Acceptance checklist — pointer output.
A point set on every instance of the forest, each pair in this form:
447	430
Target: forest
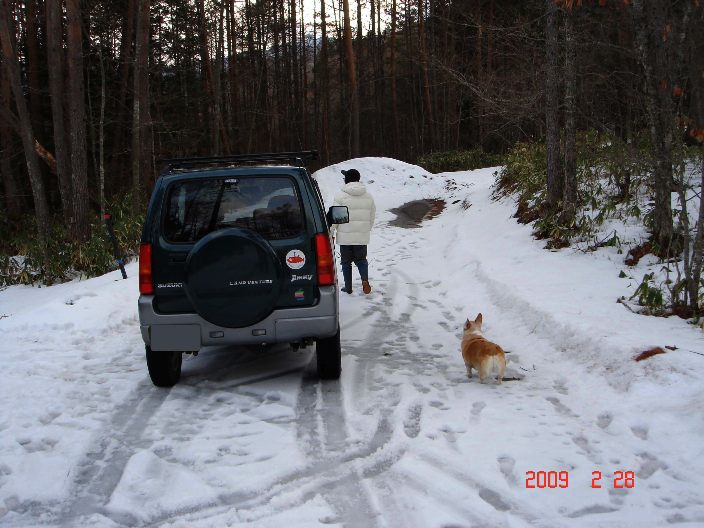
93	93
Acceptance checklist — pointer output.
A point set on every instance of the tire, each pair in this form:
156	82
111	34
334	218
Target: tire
328	355
164	367
234	278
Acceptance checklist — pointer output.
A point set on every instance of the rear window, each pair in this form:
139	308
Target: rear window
267	205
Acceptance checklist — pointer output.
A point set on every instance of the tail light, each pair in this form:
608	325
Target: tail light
146	286
325	260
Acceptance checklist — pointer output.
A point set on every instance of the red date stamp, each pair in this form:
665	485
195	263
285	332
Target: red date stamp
561	479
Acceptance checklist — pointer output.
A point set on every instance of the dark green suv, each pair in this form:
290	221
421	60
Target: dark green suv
236	251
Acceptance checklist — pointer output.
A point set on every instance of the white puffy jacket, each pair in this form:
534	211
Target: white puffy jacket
362	210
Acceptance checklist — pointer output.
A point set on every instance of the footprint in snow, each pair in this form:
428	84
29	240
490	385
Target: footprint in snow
650	465
448	316
591	510
561	407
411	425
560	386
506	465
494	499
604	420
477	408
641	431
439	405
617	496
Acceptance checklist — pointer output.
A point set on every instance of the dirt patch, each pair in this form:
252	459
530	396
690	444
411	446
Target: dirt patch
649	353
526	214
410	215
637	253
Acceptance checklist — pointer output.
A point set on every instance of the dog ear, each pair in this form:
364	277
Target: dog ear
478	320
466	324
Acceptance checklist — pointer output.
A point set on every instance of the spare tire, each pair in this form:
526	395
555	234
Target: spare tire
233	278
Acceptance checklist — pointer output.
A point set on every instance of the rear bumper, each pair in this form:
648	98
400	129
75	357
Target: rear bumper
190	332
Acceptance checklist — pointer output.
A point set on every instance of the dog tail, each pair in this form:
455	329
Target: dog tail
497	365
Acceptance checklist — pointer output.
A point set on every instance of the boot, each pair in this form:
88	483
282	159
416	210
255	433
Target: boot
347	277
366	288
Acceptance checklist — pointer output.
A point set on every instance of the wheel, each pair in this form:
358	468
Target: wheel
233	278
329	357
164	367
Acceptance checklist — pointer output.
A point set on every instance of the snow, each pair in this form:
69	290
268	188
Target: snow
250	437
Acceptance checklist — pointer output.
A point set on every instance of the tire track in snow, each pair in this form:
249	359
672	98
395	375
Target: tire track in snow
104	464
562	337
323	428
298	486
322	423
387	339
100	472
588	435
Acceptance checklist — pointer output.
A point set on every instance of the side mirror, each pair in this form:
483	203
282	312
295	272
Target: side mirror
338	214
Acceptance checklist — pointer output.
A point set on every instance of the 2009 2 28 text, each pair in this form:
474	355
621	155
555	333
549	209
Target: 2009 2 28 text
561	479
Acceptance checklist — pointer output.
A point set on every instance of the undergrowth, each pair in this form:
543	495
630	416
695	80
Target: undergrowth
611	186
458	160
21	259
613	179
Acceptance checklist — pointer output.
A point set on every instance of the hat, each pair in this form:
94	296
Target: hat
351	175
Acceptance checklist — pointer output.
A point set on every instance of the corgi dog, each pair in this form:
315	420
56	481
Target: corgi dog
479	353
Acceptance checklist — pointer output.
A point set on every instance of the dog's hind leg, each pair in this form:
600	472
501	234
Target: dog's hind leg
501	371
469	370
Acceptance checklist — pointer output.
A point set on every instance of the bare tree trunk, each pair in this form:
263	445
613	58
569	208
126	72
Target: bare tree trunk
303	88
352	80
376	117
101	135
427	102
77	119
13	200
552	105
54	32
325	84
120	140
698	245
479	71
276	98
362	94
570	194
207	79
232	77
394	88
32	67
651	35
141	127
218	83
12	70
296	80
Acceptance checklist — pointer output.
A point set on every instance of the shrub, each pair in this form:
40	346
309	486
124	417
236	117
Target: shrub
69	258
524	173
458	160
610	179
614	188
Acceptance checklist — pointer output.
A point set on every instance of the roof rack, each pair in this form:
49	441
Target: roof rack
294	158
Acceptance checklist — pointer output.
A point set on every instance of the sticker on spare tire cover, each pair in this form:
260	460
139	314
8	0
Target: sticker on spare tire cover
295	259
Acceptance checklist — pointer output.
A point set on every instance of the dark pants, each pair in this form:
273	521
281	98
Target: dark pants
358	255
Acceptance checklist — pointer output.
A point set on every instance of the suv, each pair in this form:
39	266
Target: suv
236	251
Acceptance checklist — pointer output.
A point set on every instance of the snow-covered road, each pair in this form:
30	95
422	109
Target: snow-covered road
250	437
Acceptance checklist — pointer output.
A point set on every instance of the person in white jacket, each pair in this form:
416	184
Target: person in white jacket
353	237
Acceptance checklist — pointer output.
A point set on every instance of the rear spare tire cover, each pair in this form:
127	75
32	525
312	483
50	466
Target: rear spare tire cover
233	278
